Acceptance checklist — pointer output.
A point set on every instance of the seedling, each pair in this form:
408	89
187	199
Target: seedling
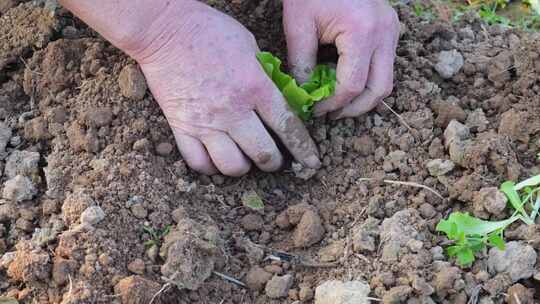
301	98
252	201
156	235
470	235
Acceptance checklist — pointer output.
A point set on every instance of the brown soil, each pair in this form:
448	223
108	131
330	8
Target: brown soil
60	96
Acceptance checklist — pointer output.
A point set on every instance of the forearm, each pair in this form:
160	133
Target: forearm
130	25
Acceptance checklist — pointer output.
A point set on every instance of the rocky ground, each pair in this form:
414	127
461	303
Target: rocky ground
97	206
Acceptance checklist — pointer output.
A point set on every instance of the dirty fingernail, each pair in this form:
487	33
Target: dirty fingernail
313	162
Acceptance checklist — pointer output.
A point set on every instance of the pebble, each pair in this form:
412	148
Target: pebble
257	278
24	163
139	211
338	292
92	215
306	293
5	136
309	231
18	189
449	63
332	252
164	149
252	222
132	82
489	200
278	286
136	266
439	167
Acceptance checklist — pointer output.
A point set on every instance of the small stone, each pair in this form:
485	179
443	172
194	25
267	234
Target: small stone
62	269
92	215
37	129
139	211
517	260
422	287
447	111
489	201
519	294
397	295
364	145
302	172
257	278
136	290
449	63
18	189
305	294
98	117
132	82
337	292
415	245
427	210
278	286
136	266
455	132
152	253
252	222
445	278
512	126
477	120
142	145
23	163
5	136
438	167
309	231
332	252
164	149
42	236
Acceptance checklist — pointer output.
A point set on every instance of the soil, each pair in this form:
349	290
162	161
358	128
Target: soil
107	169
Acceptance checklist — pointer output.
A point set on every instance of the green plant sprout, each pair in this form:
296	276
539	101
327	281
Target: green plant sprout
301	99
156	235
470	235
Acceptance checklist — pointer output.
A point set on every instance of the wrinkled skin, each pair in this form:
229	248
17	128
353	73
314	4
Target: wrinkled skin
201	67
365	33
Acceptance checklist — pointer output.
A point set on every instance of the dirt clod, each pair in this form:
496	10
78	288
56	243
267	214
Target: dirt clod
337	292
136	290
278	286
257	278
132	82
517	260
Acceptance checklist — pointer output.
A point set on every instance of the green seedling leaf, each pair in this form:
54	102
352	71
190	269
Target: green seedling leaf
252	200
469	225
530	182
321	84
509	188
496	240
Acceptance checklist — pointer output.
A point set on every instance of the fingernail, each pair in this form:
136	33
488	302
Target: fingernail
313	162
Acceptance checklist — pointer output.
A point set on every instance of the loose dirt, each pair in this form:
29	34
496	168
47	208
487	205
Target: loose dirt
117	217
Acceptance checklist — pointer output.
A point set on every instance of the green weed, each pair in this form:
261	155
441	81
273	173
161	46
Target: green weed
156	235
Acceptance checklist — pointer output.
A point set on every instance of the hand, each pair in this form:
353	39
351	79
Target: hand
202	69
365	33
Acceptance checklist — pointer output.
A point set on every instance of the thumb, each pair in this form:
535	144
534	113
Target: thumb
302	45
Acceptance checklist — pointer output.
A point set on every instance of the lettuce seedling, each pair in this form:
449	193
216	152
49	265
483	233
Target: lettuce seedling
471	235
301	98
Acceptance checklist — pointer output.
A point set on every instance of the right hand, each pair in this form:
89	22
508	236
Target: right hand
202	69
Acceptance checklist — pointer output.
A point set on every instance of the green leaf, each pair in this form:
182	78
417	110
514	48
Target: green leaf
532	181
252	200
509	188
496	240
321	84
470	225
465	256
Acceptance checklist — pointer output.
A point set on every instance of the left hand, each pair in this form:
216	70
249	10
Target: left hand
365	33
